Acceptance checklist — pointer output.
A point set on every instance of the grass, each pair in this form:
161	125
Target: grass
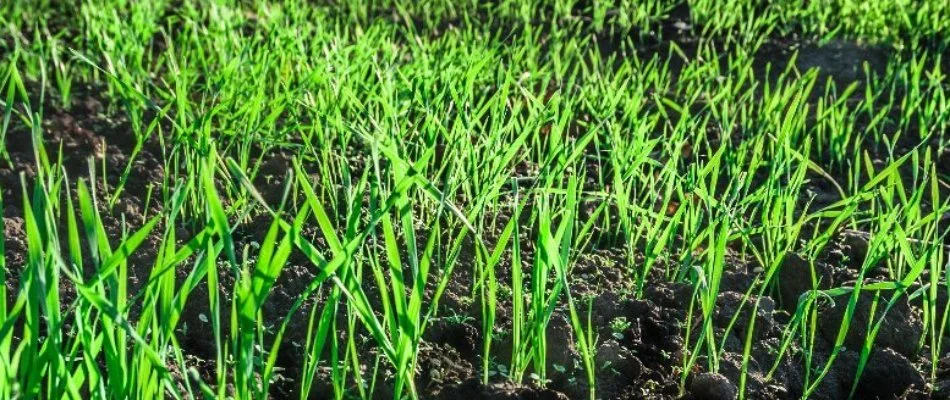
452	157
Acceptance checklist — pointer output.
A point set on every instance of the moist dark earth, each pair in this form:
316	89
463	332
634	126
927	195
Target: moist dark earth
640	361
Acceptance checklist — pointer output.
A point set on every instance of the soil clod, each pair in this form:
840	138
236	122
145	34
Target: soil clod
712	386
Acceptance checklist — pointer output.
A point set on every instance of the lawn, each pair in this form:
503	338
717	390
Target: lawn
505	199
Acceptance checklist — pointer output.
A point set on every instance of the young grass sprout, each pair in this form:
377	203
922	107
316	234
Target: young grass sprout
230	199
